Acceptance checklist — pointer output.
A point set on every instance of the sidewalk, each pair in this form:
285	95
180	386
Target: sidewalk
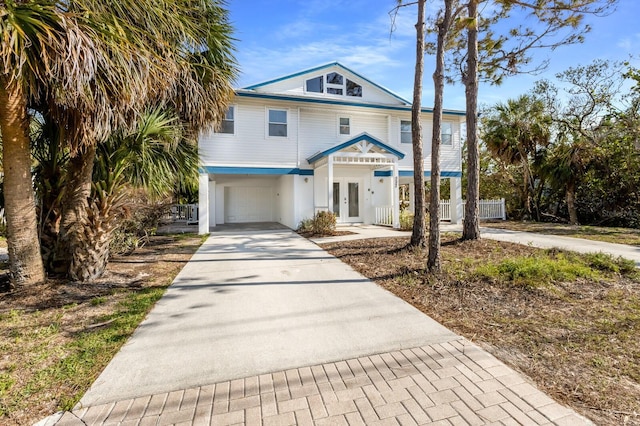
526	238
566	243
264	327
453	383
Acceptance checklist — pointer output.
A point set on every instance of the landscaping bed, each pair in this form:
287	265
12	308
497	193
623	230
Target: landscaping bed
569	322
56	337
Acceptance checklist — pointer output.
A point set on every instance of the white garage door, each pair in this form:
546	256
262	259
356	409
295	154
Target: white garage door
248	204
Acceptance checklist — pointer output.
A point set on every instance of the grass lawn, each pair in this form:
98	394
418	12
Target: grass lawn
569	322
628	236
56	337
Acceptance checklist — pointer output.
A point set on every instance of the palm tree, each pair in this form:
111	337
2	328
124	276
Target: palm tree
91	66
152	156
32	39
50	158
193	72
515	132
564	165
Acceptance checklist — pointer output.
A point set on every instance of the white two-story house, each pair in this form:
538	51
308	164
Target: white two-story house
325	138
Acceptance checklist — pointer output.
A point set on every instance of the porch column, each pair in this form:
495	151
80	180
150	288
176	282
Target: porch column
412	197
456	199
395	200
203	203
330	183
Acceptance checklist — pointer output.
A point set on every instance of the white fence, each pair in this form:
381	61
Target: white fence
487	209
491	209
183	213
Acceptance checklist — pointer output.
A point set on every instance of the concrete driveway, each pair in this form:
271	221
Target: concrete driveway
251	302
265	328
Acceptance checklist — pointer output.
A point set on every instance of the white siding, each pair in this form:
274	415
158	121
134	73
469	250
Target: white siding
285	201
303	198
449	155
319	129
251	145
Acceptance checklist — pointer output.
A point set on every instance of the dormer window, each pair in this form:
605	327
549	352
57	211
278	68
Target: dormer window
334	78
333	83
354	89
315	85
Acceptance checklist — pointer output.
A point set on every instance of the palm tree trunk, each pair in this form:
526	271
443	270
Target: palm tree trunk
25	261
471	227
418	237
571	203
527	194
75	215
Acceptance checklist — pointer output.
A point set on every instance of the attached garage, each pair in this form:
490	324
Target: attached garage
248	204
258	197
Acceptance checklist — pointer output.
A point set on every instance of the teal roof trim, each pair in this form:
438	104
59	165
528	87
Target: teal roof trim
222	170
323	67
362	137
338	102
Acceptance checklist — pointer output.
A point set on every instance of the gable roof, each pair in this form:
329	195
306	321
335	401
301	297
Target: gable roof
361	137
323	67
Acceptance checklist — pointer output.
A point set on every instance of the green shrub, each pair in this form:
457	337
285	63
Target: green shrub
134	231
608	263
535	271
306	226
406	220
323	223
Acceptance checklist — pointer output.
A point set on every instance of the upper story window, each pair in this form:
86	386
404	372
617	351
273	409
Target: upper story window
354	89
345	125
405	131
278	123
446	133
228	122
315	84
334	78
333	83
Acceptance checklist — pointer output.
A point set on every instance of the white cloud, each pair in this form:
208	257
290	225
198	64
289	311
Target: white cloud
372	59
630	44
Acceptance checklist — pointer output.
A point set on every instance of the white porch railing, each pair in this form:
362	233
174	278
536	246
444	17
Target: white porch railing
183	213
384	216
488	209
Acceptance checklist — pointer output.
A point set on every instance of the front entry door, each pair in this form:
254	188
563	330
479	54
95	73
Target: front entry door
346	200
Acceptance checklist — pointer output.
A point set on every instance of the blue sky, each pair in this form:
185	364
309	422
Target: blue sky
278	37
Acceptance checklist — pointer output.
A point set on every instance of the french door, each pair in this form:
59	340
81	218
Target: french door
347	198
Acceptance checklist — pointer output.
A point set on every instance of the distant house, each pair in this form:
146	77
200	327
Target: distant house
325	138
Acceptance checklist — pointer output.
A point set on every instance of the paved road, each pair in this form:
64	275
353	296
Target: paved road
566	243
